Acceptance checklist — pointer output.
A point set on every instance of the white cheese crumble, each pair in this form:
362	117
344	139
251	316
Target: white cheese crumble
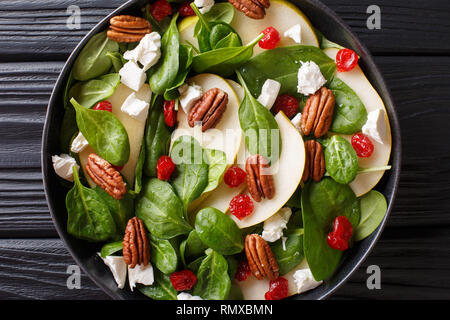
140	274
310	79
118	268
305	281
79	143
187	296
204	5
189	95
135	108
375	126
63	165
269	93
297	122
295	33
132	75
147	52
273	227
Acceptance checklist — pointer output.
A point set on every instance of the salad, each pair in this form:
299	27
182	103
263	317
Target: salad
221	150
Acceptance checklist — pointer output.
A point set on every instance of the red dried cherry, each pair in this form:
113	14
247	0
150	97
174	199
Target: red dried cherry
241	206
186	10
170	114
288	104
346	60
161	9
234	177
270	39
342	232
183	280
165	168
278	289
243	271
103	106
362	145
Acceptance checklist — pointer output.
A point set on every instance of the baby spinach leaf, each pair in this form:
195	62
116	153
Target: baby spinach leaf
213	281
121	210
111	248
202	30
194	245
161	210
259	126
288	60
105	133
89	217
217	161
218	231
90	92
186	56
224	61
322	202
117	60
373	210
219	32
341	160
191	174
93	61
232	266
157	138
161	289
295	222
138	171
165	72
295	200
222	11
163	255
291	257
231	40
350	114
324	42
195	265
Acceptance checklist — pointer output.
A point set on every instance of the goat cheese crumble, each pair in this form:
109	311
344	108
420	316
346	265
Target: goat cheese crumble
310	79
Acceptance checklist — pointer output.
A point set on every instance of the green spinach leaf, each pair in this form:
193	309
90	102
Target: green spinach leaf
93	61
111	248
117	60
221	31
186	56
213	281
350	114
163	255
222	11
139	171
195	265
218	231
341	160
373	210
90	92
231	40
89	217
105	133
259	126
161	289
217	162
291	257
322	202
194	245
161	210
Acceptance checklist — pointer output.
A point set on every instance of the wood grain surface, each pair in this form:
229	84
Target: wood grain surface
413	52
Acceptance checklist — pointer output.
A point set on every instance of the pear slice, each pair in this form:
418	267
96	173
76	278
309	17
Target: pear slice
287	174
254	289
227	135
281	15
356	80
135	130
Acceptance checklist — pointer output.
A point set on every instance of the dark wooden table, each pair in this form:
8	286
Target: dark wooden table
412	48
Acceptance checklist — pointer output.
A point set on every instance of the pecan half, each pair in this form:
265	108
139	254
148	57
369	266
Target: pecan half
136	247
260	258
259	180
209	109
314	161
254	9
318	113
126	28
105	176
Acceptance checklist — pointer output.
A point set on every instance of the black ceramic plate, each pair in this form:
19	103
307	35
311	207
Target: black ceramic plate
84	253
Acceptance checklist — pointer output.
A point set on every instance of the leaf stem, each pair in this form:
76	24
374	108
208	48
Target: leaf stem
365	170
201	17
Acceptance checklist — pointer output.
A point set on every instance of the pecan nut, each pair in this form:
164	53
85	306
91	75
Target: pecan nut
126	28
209	109
259	180
314	161
136	247
105	176
260	258
254	9
318	113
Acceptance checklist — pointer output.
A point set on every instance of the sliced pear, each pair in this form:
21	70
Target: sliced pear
254	289
281	15
135	130
356	80
227	135
287	174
